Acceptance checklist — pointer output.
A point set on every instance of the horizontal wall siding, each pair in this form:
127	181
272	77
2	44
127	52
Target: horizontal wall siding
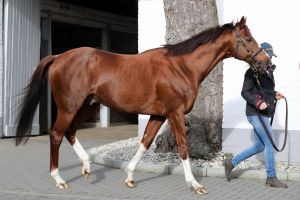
21	52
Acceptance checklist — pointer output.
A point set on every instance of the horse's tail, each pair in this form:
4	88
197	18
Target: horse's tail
30	99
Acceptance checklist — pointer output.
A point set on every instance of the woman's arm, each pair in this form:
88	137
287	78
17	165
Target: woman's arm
247	92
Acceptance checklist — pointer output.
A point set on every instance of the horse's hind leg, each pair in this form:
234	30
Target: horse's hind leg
151	130
83	114
60	127
81	153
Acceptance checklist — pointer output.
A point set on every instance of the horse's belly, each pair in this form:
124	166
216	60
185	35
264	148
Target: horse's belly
132	102
137	107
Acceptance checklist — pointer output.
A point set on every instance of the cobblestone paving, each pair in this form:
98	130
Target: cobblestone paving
24	175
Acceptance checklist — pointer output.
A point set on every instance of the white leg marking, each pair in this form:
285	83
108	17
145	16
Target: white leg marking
60	183
190	179
133	163
83	156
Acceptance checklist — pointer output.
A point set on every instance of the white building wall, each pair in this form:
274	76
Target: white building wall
276	22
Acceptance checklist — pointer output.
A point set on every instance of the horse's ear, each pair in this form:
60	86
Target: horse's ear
242	22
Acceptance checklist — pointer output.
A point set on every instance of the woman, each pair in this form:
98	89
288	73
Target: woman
260	97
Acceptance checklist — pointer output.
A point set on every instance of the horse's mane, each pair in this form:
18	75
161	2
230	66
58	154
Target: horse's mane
204	37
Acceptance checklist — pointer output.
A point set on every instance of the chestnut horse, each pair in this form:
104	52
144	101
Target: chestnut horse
161	82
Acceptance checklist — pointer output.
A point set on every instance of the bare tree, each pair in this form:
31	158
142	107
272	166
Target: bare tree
185	18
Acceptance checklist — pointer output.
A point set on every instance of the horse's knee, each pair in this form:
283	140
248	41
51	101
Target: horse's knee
147	141
55	139
182	146
183	151
151	130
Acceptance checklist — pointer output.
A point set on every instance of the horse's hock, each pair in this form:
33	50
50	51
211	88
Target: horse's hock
200	144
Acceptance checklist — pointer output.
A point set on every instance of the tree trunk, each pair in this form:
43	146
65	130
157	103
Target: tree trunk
185	18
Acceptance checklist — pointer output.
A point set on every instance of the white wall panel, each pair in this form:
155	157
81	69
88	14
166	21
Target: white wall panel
22	54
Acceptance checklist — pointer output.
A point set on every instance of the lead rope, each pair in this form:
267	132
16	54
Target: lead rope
285	129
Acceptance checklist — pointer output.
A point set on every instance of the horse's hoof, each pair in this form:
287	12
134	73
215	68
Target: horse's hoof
62	186
201	190
130	183
86	174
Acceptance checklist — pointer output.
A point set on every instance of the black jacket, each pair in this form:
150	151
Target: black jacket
255	95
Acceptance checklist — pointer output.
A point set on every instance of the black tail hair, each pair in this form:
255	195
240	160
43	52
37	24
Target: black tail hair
30	99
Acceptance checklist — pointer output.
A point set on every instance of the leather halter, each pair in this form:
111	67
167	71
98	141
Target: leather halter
251	54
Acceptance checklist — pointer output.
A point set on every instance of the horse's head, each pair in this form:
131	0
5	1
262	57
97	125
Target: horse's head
247	49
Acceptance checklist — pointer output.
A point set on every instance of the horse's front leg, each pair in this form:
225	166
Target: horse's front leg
176	121
151	130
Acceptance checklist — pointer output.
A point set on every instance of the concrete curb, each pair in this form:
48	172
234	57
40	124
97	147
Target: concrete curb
197	171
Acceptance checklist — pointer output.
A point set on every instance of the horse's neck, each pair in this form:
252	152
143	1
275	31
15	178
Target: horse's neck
206	57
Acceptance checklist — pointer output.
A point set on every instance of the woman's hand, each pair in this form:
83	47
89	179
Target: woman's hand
279	95
263	106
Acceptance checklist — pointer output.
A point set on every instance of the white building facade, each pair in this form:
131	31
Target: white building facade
275	22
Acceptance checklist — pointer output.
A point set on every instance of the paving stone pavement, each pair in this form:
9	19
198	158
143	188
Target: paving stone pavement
24	176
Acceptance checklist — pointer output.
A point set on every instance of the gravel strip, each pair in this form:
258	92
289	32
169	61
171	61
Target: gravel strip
124	150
